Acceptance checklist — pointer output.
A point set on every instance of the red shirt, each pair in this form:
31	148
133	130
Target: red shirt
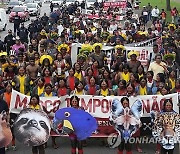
47	79
92	90
62	91
71	82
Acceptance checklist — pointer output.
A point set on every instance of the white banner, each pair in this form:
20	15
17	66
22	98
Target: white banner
144	53
98	106
74	51
149	42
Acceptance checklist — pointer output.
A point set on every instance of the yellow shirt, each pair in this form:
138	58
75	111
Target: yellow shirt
46	95
78	75
79	93
104	92
22	83
172	83
37	62
37	107
93	29
140	75
40	90
125	77
142	91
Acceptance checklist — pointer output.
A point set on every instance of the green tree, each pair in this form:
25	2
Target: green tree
168	5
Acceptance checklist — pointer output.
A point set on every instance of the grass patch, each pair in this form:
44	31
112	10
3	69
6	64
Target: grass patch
161	5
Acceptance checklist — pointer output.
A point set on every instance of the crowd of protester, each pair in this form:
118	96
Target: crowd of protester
37	59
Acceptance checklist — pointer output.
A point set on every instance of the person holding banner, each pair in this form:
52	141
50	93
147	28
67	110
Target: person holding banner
104	89
125	145
75	143
48	92
167	108
121	90
34	104
7	98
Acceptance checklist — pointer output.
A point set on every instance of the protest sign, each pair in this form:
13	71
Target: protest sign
97	106
144	53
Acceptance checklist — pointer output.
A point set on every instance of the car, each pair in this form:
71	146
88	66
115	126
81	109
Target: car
68	2
33	8
28	1
13	3
22	12
39	2
56	2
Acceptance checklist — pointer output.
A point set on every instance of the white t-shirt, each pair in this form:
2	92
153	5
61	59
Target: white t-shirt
113	27
155	12
60	29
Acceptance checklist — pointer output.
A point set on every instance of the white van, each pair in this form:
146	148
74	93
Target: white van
3	19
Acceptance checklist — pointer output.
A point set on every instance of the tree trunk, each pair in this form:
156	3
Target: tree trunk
168	6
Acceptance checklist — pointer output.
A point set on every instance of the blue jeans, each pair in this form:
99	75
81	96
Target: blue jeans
2	150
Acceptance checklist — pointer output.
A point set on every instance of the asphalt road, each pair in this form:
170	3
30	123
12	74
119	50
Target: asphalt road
93	147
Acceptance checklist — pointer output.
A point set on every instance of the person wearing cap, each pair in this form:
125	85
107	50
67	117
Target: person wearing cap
23	33
9	41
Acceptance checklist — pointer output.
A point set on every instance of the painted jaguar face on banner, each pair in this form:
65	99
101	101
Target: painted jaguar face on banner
5	132
32	127
126	120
